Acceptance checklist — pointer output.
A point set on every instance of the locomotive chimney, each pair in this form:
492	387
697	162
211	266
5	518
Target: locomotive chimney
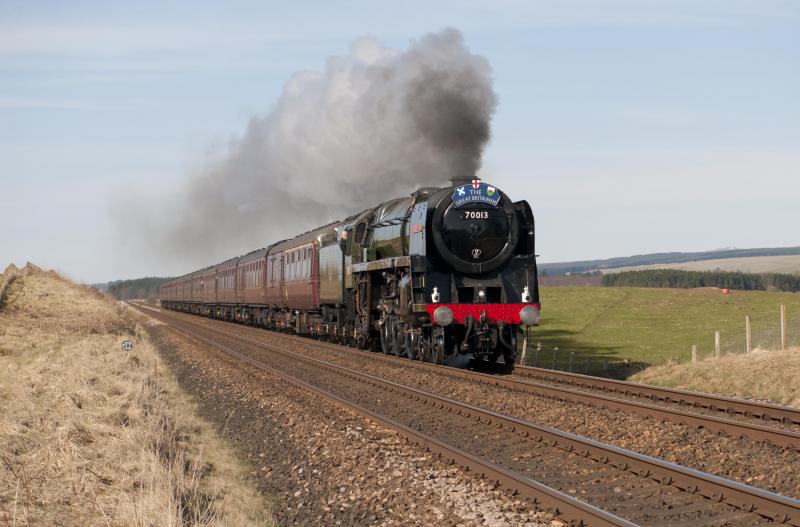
461	180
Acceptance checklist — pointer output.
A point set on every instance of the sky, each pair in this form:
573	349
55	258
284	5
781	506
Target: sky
630	126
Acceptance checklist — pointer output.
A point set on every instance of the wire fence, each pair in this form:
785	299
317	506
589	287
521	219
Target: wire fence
537	355
793	332
777	333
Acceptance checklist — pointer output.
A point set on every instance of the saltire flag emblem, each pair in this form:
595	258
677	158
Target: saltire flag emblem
476	192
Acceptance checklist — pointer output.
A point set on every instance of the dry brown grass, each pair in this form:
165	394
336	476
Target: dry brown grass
6	278
91	435
763	375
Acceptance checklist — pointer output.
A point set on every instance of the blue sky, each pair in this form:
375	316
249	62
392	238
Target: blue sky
630	126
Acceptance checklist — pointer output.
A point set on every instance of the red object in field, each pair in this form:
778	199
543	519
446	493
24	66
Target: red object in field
725	291
508	313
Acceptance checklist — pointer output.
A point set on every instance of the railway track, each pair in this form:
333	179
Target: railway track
774	424
581	479
715	404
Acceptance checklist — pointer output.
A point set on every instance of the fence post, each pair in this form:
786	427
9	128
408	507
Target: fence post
748	331
694	352
555	354
783	327
571	357
536	354
716	344
524	348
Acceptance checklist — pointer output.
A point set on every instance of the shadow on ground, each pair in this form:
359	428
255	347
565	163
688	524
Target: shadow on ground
559	350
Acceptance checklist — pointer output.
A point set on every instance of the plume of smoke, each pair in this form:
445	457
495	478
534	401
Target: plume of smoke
372	126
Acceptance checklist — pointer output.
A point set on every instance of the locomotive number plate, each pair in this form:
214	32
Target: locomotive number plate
476	215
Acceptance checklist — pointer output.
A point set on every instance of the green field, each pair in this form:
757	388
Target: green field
647	326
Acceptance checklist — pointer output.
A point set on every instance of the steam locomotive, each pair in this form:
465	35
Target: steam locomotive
446	275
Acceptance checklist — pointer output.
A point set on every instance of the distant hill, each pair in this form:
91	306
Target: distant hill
138	288
788	264
657	259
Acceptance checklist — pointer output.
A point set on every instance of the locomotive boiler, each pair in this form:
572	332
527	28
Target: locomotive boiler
445	275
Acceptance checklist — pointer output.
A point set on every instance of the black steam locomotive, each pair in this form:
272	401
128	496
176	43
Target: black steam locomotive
446	275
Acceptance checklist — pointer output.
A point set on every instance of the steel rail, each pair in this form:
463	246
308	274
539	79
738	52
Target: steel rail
775	412
732	427
542	496
749	499
757	432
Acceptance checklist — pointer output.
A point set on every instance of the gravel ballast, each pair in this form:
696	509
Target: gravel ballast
762	465
324	465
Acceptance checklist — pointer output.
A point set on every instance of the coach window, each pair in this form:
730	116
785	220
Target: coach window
300	264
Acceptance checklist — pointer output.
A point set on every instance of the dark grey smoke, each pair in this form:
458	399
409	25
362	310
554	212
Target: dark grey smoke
374	125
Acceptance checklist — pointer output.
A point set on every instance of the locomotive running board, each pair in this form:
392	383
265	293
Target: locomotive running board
385	263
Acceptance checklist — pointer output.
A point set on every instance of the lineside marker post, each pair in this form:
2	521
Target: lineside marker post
694	352
524	347
716	344
748	331
783	327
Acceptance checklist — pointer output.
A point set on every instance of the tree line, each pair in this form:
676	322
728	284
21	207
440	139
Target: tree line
689	279
146	288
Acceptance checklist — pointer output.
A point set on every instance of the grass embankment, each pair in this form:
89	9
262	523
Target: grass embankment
650	326
92	435
763	375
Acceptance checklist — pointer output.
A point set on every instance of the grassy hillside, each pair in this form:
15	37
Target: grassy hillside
93	435
789	264
649	326
661	258
762	375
